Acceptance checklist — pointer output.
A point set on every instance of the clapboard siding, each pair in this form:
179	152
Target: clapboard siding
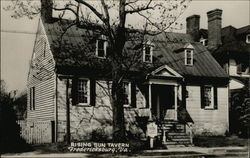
86	119
43	78
214	122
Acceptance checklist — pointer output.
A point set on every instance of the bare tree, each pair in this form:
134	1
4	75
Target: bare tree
111	17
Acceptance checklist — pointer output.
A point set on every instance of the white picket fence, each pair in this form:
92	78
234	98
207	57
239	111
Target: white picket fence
36	132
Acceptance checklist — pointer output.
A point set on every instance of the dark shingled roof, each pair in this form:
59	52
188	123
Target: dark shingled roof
243	30
165	45
233	40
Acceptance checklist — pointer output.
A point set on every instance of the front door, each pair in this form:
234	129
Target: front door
163	102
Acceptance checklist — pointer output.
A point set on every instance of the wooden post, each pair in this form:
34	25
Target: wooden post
175	101
163	136
67	113
149	101
151	142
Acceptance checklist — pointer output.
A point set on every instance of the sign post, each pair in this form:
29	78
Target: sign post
152	132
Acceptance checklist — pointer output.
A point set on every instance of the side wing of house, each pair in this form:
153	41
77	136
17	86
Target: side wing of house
208	107
41	80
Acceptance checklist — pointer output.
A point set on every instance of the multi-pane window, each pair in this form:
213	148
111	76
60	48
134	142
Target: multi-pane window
148	53
188	57
126	90
208	97
101	48
32	98
83	91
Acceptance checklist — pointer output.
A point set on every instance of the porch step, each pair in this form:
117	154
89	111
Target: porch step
175	134
172	127
172	131
168	144
179	139
178	136
176	146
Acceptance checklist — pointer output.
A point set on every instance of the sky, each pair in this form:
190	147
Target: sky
18	35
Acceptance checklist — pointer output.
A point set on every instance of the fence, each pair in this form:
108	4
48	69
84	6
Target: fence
36	132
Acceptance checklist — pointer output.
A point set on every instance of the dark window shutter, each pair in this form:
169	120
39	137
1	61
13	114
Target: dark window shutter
74	91
202	97
146	95
108	53
239	68
133	95
215	98
92	92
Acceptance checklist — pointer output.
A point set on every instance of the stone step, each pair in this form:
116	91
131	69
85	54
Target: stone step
174	146
171	127
177	143
178	139
175	131
178	136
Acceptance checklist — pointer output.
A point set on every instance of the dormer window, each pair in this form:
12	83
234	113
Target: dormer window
189	57
148	53
248	38
203	41
101	48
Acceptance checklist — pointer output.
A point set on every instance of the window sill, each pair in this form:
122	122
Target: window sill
209	108
189	65
101	57
148	62
83	105
143	108
128	107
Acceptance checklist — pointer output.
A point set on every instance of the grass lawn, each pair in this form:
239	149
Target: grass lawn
220	141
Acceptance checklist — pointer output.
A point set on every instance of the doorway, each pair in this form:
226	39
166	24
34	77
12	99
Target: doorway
163	102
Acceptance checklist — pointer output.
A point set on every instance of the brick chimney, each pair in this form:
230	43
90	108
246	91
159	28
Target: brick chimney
46	10
214	28
193	26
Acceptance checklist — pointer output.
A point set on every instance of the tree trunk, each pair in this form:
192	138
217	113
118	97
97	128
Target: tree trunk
117	106
117	89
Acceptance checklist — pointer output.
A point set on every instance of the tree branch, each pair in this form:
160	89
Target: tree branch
139	9
99	15
63	9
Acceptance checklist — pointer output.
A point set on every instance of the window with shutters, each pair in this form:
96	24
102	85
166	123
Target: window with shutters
83	90
209	97
32	98
189	57
127	93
